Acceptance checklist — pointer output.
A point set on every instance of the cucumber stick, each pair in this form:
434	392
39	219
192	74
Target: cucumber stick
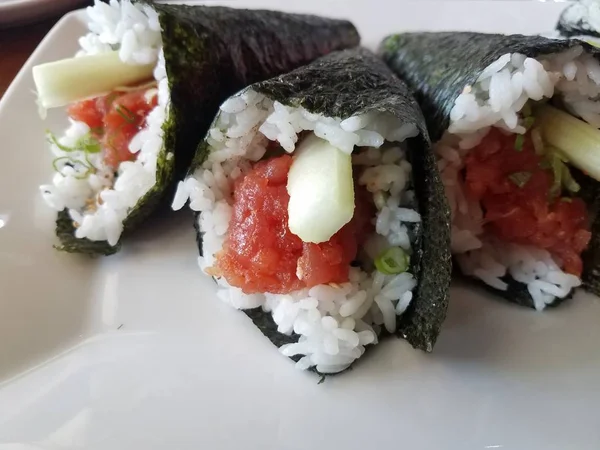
60	83
321	190
577	141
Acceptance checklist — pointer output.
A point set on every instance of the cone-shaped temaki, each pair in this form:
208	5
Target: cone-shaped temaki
320	211
141	95
515	124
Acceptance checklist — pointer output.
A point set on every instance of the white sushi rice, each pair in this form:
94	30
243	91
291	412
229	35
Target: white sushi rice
498	95
131	28
97	200
334	322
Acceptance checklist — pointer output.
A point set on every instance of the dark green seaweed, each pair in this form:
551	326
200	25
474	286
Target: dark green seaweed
211	53
515	292
65	231
265	323
574	21
352	82
591	268
438	66
590	193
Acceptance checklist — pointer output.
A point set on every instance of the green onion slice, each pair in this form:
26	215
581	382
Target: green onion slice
545	164
568	181
74	162
85	144
562	174
125	113
557	172
528	122
393	261
519	141
538	142
520	178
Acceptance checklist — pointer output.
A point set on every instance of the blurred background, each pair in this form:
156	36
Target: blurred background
24	23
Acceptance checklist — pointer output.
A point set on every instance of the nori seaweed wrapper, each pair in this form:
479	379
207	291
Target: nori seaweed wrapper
590	193
354	82
438	66
575	20
211	53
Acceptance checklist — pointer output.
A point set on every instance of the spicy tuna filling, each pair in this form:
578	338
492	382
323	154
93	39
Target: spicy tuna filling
521	201
339	278
114	120
261	254
510	162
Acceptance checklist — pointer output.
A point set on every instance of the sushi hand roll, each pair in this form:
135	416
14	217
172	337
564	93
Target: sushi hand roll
320	212
515	120
142	92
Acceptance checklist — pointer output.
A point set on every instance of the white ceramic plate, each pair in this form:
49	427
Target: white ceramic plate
135	352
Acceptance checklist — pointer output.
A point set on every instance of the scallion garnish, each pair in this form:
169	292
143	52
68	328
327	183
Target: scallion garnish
562	174
57	160
528	122
557	172
125	113
393	261
519	141
538	142
74	162
545	164
566	200
520	178
86	144
568	181
52	139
